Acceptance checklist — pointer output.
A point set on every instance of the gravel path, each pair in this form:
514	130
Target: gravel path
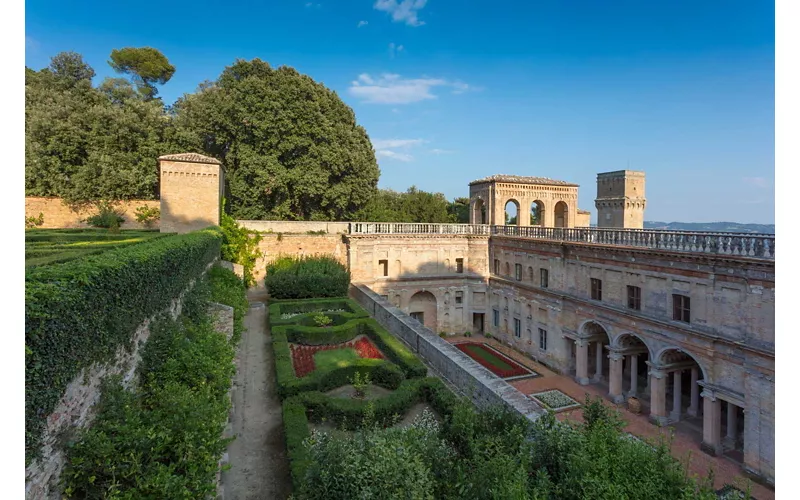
259	467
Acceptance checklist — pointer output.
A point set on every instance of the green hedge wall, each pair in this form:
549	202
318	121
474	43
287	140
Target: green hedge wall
81	312
307	277
227	288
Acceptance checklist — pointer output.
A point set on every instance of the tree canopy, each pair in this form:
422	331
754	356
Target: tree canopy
412	206
146	65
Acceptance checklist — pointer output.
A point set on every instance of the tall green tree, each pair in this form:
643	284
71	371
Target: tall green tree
146	65
459	210
414	205
290	147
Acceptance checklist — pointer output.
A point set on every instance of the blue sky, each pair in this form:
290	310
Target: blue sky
453	91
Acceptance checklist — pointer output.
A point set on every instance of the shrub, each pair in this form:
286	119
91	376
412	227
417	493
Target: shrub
147	215
298	312
107	216
321	320
240	246
32	222
307	277
226	288
82	311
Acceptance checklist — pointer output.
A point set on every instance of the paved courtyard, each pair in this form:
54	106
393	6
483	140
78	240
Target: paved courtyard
685	443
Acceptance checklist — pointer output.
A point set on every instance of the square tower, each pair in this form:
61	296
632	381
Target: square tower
620	199
191	192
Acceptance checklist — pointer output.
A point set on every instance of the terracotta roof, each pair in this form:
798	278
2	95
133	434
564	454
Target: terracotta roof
584	211
191	158
521	179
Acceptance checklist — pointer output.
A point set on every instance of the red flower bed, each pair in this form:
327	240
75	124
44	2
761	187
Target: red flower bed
495	362
303	355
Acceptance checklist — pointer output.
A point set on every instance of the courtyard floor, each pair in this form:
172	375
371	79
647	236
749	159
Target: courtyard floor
684	444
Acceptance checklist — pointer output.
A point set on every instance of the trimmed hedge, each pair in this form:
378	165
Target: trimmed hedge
227	288
307	277
80	312
305	309
295	424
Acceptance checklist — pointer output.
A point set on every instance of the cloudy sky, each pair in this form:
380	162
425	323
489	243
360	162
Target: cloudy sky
451	91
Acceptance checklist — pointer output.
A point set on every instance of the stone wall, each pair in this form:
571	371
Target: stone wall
295	227
57	215
473	380
583	218
191	192
274	245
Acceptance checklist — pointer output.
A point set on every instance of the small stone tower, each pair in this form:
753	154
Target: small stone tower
191	192
620	199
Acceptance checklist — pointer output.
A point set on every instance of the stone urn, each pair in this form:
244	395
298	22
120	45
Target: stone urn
634	406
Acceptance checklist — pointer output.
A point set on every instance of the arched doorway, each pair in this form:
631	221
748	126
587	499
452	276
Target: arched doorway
512	213
562	214
479	212
537	213
588	355
422	307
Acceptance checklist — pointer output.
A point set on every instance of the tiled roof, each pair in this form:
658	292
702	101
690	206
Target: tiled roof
521	179
191	158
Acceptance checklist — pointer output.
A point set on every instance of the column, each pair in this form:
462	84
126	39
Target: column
695	395
658	397
731	435
615	377
711	424
598	372
582	361
676	396
634	362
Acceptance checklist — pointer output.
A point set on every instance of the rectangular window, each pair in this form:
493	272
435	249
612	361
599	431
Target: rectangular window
634	298
459	297
597	289
384	265
680	308
517	328
459	265
497	266
544	277
518	272
495	317
542	339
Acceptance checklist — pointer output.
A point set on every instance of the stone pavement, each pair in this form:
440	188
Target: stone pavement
684	445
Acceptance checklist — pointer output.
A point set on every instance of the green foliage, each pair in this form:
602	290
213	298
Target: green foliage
52	246
291	149
414	205
107	216
303	277
340	309
226	288
321	320
240	246
82	311
146	65
459	210
360	384
32	222
147	215
164	440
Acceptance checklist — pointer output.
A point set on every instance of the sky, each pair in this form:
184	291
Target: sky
453	91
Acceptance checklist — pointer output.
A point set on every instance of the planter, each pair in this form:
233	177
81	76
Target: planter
634	406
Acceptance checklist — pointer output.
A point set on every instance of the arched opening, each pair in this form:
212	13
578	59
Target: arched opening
537	213
512	213
562	214
634	369
422	307
479	212
592	364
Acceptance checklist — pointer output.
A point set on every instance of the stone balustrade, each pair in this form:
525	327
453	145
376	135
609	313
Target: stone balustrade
413	228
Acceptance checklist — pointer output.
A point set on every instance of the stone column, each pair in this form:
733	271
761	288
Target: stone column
712	424
615	377
582	361
731	435
676	396
598	372
695	395
658	397
634	358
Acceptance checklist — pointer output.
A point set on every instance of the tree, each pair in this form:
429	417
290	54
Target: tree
412	206
459	210
291	149
146	65
70	69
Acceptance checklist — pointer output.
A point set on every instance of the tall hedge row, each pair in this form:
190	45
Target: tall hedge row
307	277
82	311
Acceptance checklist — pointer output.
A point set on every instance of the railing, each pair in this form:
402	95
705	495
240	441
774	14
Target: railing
411	228
760	246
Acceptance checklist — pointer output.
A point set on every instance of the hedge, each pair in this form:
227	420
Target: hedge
227	288
306	308
80	312
306	277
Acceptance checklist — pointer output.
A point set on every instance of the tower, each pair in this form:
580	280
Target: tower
620	199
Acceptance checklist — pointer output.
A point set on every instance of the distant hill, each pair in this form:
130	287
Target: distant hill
730	227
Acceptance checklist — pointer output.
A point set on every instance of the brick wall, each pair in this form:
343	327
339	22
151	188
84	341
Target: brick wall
273	245
295	227
57	215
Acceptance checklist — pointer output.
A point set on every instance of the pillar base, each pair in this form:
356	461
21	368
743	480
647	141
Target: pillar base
692	412
582	381
758	477
659	420
618	399
675	417
710	449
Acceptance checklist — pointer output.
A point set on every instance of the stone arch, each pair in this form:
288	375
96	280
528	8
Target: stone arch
627	340
674	354
561	212
423	305
507	216
537	213
592	327
479	215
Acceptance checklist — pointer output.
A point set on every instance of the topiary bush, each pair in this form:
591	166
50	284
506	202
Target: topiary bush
307	277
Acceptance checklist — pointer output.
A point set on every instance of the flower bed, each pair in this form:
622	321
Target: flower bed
495	362
555	400
324	311
303	355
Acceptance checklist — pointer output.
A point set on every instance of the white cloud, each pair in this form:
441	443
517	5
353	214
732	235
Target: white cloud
394	49
404	11
386	153
392	89
362	23
441	151
760	182
396	143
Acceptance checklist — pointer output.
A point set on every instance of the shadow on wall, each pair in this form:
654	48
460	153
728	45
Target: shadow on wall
274	245
172	223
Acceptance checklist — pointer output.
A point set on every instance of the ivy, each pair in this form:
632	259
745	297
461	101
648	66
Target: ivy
81	312
240	246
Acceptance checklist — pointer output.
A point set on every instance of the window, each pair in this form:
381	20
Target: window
542	339
530	274
384	265
544	277
497	266
597	289
517	328
680	308
418	316
518	272
459	297
634	298
495	317
459	265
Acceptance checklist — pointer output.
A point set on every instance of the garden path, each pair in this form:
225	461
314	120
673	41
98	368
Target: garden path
259	467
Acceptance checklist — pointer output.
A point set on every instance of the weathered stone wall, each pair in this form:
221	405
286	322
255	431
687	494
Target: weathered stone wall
58	215
295	227
274	245
460	370
583	218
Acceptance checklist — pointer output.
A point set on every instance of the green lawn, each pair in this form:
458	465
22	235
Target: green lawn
328	360
53	246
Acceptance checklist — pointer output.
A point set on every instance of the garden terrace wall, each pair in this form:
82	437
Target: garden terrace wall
295	227
273	246
57	215
473	380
